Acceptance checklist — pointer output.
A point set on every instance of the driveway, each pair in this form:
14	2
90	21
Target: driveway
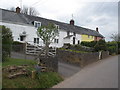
101	74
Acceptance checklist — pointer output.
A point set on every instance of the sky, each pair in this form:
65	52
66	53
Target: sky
86	13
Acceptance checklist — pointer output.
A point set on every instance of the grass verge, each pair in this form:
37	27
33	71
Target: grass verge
42	80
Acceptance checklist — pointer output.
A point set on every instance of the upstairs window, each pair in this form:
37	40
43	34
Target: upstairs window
37	24
57	26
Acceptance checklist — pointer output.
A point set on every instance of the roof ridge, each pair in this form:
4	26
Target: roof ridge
74	28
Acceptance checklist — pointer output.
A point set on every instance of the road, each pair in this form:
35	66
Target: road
101	74
67	70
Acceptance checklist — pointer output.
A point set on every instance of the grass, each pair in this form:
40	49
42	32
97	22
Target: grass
12	61
43	80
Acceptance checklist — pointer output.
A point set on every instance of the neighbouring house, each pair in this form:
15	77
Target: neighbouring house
24	28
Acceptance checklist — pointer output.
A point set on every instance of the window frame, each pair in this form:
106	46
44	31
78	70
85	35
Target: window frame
36	24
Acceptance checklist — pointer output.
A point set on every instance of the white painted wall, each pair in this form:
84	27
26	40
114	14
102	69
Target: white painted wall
17	29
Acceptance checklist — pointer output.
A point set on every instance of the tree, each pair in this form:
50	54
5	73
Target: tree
115	37
101	45
27	10
47	34
6	42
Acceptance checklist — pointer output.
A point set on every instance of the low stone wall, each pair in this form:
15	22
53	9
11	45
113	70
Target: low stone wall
51	62
79	59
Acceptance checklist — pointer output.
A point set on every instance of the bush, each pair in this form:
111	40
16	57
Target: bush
6	42
118	47
89	44
101	45
113	47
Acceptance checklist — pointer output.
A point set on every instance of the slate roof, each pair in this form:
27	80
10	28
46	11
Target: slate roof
28	19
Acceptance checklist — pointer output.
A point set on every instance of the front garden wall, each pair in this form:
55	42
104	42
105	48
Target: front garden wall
79	59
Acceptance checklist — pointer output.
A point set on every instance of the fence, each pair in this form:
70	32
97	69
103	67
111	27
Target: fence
30	52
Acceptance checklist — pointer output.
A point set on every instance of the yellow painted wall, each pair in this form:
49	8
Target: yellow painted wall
86	38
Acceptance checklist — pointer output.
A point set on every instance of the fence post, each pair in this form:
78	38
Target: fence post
25	49
100	55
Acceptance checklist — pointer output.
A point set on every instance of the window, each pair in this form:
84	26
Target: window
73	40
57	26
68	33
37	24
56	40
36	40
22	38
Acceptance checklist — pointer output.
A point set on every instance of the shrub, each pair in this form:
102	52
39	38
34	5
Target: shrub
89	44
6	42
113	47
118	47
101	45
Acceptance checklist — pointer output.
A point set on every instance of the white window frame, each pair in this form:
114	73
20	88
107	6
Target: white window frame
56	41
57	26
37	24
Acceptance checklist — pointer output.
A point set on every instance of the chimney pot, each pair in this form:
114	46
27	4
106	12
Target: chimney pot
97	29
17	10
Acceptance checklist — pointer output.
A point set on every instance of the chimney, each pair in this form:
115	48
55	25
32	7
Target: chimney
72	22
17	10
97	29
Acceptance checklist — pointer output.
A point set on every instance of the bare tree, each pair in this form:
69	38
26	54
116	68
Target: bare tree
32	11
115	37
27	10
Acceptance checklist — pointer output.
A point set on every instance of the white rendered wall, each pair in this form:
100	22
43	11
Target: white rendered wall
17	29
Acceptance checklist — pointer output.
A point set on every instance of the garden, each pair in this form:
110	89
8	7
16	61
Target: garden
23	73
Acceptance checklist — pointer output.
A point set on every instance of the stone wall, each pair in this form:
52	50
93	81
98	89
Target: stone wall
79	59
51	63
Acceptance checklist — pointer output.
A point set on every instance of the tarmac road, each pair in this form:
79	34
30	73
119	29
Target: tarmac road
101	74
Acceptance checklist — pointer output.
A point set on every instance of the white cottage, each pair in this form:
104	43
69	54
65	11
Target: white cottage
24	28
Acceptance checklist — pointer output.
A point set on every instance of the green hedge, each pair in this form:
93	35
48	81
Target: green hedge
113	47
89	44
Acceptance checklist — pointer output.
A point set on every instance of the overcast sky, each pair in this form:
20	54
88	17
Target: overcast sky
95	13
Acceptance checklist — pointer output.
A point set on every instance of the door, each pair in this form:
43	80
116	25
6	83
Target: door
73	40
